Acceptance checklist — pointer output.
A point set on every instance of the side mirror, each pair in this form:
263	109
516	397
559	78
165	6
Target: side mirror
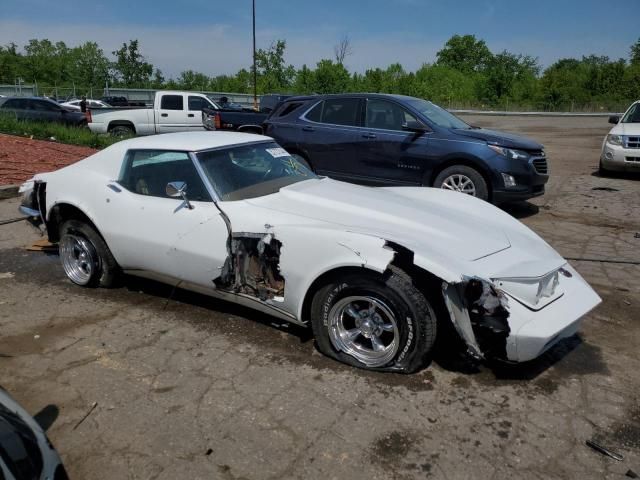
414	126
614	119
178	190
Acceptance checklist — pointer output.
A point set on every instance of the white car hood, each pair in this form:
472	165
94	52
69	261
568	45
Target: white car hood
626	129
426	220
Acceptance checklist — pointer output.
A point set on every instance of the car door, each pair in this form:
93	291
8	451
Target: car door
194	114
150	231
391	155
171	114
329	133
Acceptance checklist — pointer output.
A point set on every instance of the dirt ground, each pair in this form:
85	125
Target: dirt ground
189	387
21	157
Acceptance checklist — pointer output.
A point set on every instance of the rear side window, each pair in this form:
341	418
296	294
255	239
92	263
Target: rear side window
18	103
287	108
43	106
147	172
338	111
172	102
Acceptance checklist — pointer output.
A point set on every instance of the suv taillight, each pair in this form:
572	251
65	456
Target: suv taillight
216	121
87	115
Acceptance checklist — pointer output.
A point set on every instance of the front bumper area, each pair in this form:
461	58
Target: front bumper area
620	159
530	176
534	332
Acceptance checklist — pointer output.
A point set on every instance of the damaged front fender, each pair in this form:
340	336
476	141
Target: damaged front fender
479	313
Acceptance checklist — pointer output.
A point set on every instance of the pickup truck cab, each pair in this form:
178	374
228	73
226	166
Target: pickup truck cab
621	147
171	112
244	120
395	140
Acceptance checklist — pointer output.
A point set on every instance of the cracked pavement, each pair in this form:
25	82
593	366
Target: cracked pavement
191	387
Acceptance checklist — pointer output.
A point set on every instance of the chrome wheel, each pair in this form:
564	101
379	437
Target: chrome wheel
79	259
365	328
459	183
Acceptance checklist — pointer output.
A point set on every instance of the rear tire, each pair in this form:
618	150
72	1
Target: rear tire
122	131
374	322
86	259
463	179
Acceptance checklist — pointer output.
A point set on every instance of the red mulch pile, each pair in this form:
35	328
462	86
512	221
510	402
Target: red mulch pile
21	158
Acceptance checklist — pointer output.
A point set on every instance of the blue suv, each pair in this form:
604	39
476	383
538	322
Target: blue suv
395	140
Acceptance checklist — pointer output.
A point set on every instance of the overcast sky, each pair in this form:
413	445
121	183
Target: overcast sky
214	37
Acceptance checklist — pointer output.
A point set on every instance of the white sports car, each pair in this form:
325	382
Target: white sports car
373	271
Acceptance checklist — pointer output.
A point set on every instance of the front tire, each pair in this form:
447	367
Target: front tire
374	322
85	257
461	178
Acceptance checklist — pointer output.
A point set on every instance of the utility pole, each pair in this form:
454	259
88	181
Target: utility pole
255	72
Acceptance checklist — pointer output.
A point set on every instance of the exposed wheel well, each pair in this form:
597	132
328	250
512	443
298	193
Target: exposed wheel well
251	129
460	161
62	212
424	281
121	123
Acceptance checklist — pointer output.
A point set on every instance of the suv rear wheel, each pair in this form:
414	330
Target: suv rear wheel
463	179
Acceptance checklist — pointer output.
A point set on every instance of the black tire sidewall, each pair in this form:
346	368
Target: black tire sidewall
121	131
480	184
106	268
407	319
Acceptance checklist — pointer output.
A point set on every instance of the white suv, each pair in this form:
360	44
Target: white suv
621	148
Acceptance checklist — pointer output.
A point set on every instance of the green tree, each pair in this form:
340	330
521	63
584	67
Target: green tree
635	53
89	66
46	62
503	72
11	63
445	85
130	68
465	53
273	73
330	77
304	82
190	80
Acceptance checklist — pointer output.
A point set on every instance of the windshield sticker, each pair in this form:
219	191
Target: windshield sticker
278	152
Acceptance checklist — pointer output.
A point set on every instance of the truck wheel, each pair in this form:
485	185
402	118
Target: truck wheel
374	322
85	257
461	178
122	131
301	160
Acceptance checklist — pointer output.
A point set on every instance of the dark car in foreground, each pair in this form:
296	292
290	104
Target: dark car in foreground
25	450
395	140
41	109
243	120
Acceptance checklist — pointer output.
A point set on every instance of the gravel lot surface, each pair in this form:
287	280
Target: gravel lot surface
21	157
189	387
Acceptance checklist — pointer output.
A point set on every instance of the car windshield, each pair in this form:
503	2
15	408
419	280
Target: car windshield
632	115
253	170
437	115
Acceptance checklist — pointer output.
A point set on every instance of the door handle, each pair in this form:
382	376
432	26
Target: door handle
164	114
190	115
369	135
307	129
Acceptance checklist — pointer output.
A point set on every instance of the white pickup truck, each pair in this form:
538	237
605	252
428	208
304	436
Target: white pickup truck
171	112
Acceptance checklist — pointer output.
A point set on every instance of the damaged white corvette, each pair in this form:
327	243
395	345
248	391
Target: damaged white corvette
374	271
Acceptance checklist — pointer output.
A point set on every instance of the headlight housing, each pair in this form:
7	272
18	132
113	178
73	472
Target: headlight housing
509	152
614	139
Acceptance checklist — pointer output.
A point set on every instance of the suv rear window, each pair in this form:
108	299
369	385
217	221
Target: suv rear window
336	111
287	108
